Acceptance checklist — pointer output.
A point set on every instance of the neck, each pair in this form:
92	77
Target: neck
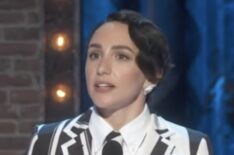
117	118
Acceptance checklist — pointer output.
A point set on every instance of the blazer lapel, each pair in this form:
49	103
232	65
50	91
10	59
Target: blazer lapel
79	138
163	145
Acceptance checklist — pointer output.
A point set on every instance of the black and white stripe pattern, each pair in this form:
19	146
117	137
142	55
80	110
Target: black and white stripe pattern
73	137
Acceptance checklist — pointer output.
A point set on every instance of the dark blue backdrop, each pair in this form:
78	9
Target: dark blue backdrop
199	91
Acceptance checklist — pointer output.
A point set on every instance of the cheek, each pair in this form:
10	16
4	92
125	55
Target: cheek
132	77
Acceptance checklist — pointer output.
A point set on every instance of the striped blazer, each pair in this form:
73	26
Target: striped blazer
72	137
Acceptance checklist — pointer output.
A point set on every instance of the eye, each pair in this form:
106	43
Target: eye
120	56
94	55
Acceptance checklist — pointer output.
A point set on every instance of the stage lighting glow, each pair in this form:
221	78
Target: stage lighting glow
61	93
61	42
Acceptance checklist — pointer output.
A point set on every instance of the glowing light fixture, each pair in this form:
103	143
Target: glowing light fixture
60	58
61	42
61	93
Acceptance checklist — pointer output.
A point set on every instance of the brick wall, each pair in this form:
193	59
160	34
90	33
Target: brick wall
21	73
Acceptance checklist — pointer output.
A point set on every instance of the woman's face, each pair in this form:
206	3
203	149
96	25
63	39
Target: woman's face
113	78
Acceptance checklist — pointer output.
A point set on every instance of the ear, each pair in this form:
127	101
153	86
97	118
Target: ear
159	74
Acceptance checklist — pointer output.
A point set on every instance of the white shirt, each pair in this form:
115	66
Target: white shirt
133	133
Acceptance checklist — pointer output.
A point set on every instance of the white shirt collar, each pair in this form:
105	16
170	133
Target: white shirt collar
133	132
99	129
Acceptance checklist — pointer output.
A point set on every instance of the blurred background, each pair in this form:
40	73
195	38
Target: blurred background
42	58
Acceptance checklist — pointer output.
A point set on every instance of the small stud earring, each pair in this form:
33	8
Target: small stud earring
149	88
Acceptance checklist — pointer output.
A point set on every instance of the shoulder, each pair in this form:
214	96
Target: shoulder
195	140
180	130
50	128
47	137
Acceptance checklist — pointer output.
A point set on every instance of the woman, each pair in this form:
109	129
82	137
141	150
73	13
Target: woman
127	58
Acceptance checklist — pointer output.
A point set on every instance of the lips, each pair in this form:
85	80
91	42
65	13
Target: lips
103	87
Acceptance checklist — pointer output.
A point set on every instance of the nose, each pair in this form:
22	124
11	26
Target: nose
104	66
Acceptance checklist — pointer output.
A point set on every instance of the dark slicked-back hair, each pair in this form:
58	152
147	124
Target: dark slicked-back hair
153	58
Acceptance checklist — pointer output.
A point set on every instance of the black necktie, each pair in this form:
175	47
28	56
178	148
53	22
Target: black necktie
112	146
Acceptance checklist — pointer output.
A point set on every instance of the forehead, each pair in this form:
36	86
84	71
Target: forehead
112	33
113	27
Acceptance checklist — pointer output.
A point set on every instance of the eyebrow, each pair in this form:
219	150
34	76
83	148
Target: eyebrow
123	47
95	45
116	47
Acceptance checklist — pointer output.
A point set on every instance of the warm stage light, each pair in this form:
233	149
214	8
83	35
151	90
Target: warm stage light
61	93
61	42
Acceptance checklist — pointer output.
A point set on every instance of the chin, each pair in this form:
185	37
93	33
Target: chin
105	105
102	101
102	105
